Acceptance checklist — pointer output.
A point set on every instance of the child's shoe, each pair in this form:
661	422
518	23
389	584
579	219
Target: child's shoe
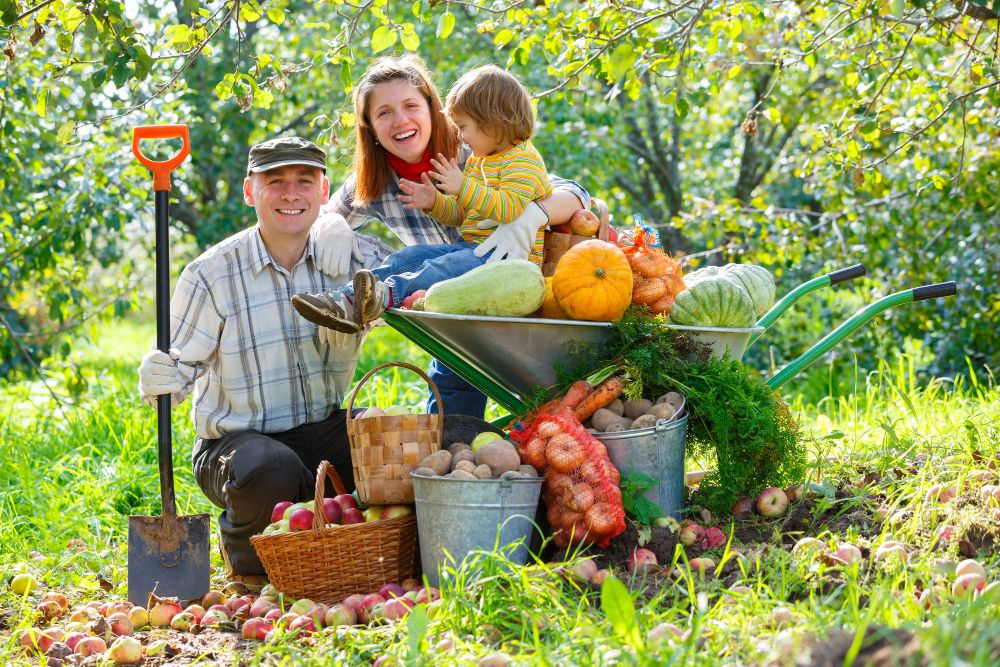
371	297
330	309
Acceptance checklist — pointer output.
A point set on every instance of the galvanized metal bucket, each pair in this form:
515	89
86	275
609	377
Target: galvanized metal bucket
458	516
657	451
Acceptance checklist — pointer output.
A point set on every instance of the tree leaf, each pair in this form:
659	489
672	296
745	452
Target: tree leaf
66	131
682	107
276	15
409	38
98	77
622	59
383	39
120	74
618	606
502	38
445	24
41	102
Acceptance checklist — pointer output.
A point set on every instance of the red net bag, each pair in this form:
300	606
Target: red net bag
582	499
656	277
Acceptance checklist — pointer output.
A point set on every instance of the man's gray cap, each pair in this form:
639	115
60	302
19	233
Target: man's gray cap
284	152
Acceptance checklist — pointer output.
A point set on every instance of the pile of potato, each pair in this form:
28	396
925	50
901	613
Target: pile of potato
632	415
492	460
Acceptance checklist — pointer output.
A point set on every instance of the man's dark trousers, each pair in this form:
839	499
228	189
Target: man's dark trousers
247	473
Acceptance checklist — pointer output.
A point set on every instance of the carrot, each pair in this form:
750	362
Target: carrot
577	392
545	409
606	392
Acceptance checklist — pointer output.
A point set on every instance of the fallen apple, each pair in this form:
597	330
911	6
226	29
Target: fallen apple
600	576
367	605
340	614
214	617
664	632
966	584
970	565
847	553
125	651
715	538
49	609
410	583
743	507
781	616
157	649
354	602
691	533
641	560
120	624
58	598
73	638
260	607
703	564
772	502
808	546
23	583
794	492
252	625
285	620
182	622
318	614
390	591
428	595
396	608
163	612
90	645
304	625
302	606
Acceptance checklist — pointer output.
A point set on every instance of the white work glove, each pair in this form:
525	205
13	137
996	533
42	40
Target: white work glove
514	239
159	374
338	340
336	243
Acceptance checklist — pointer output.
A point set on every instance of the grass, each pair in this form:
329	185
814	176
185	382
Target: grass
78	471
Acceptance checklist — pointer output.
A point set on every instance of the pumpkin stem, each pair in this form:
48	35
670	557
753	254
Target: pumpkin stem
599	272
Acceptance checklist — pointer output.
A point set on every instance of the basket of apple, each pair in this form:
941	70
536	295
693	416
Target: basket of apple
387	445
329	548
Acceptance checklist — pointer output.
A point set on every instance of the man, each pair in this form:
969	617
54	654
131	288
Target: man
267	384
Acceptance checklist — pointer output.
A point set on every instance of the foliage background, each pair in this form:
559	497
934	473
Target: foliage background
803	136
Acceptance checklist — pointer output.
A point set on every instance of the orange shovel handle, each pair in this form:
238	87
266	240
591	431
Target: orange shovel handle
161	170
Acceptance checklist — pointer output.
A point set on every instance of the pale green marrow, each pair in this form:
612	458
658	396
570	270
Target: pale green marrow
508	288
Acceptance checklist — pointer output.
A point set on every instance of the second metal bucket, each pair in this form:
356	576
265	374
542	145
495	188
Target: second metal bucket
458	516
657	451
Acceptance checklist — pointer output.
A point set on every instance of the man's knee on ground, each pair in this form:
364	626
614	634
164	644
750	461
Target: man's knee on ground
264	476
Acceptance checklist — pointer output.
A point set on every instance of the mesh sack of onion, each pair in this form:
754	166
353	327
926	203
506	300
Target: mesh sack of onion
656	277
582	499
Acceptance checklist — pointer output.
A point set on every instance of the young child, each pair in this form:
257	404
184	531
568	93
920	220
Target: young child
492	113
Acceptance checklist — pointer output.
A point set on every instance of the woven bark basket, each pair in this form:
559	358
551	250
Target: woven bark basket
385	450
328	563
556	244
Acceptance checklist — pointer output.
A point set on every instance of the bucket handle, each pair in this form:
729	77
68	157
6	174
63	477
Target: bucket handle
403	364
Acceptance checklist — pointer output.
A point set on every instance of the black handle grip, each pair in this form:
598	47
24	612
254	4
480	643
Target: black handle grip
850	273
925	292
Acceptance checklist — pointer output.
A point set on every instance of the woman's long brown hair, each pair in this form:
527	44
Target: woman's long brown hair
372	171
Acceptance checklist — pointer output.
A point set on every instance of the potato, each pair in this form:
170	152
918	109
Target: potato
635	409
528	470
670	397
482	472
602	418
620	424
512	474
645	421
440	462
616	406
460	474
499	455
463	455
593	431
467	466
663	410
457	447
426	472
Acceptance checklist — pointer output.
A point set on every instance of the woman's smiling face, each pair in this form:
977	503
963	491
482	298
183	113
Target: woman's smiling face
401	118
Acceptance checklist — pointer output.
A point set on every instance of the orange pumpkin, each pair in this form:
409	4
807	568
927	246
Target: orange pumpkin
550	308
593	281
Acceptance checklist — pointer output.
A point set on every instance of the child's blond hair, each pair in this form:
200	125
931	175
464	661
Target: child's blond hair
498	103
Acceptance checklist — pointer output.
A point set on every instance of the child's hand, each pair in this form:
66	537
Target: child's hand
418	195
448	175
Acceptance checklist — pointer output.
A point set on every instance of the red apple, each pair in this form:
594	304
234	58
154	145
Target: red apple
612	234
601	576
120	624
396	608
214	617
260	607
408	301
390	591
564	228
704	564
641	560
197	611
346	501
340	614
584	223
743	507
428	595
352	515
90	645
715	538
354	602
410	584
583	570
966	584
253	625
772	502
73	638
367	604
691	533
278	513
663	632
794	492
220	607
304	625
58	598
301	519
318	614
234	603
285	620
333	510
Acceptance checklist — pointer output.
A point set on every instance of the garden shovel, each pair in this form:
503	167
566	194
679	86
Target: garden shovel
168	553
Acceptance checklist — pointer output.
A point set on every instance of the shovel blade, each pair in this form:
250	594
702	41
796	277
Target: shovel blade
170	554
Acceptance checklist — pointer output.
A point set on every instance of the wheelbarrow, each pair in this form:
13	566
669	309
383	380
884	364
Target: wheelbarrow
505	357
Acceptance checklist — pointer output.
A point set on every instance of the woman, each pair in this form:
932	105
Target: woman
400	125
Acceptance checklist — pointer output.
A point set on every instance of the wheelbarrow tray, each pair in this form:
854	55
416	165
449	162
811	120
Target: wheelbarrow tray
506	357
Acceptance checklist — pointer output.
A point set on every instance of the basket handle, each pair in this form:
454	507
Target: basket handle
603	216
324	471
357	388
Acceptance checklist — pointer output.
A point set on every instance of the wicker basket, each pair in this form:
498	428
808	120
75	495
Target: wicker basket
328	563
556	245
385	450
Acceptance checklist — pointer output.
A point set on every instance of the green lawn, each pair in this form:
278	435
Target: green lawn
77	471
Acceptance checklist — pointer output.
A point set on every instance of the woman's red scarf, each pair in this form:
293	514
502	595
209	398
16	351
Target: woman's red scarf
410	170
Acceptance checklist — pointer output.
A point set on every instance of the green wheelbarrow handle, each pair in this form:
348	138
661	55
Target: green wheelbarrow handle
862	317
819	282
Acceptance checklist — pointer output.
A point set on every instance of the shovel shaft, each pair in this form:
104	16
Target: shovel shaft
163	433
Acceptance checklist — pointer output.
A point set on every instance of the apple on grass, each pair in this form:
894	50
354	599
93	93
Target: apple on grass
641	560
772	502
691	533
367	605
340	614
390	591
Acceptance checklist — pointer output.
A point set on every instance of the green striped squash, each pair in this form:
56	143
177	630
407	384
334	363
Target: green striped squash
713	302
756	280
